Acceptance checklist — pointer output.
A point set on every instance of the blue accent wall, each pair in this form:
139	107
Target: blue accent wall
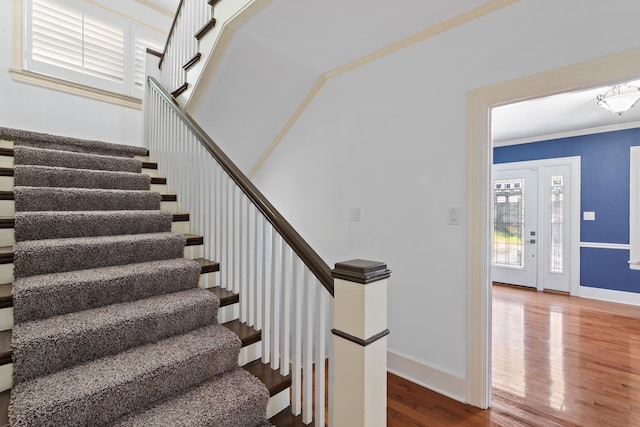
604	190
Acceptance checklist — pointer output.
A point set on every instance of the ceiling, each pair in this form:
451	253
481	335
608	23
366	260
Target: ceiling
556	115
321	36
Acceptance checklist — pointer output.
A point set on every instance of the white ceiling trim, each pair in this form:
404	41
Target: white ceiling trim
478	12
157	8
128	17
568	134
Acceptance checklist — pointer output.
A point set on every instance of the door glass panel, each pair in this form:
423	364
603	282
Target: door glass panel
557	224
508	223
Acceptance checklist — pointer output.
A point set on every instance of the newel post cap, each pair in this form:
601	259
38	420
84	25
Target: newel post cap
361	271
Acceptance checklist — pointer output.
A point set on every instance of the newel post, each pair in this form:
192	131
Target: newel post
360	344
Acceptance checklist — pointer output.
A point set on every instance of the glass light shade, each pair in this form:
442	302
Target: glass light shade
619	98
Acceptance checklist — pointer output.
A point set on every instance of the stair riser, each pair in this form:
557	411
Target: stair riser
250	353
209	280
6	319
228	313
160	188
278	402
6	237
6	377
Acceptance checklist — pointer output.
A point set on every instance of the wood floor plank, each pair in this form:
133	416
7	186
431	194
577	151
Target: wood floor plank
557	361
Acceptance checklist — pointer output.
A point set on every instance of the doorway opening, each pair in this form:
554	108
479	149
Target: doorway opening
600	72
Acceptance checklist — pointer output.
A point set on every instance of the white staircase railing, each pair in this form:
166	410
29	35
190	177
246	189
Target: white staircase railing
286	290
280	279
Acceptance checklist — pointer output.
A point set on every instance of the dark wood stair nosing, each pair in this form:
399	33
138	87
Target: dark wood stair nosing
272	378
193	61
205	29
246	333
207	265
6	151
169	197
149	165
285	418
157	180
179	91
194	240
177	217
225	296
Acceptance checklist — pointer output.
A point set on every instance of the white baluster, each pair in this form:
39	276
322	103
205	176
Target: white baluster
320	347
307	350
257	271
297	293
285	309
276	275
238	254
249	286
266	291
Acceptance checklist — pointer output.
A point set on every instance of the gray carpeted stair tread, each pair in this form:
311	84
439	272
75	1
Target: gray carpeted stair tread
67	159
64	224
83	199
44	346
98	392
45	140
35	257
53	176
233	399
100	287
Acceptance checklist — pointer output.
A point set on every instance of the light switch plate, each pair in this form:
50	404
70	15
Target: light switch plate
589	216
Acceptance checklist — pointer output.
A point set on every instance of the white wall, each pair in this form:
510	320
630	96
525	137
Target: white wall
391	138
34	108
251	96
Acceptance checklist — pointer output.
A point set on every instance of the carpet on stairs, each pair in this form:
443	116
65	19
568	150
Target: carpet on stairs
110	326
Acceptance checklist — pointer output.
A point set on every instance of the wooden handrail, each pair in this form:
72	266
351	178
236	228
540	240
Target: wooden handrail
173	26
306	253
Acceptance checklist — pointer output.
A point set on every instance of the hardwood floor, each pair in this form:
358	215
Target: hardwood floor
557	361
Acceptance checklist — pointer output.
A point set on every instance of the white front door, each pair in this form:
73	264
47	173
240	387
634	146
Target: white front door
514	237
535	223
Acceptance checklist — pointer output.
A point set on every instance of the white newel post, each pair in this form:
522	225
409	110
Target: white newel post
360	344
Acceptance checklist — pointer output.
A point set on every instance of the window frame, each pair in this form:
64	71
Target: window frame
132	32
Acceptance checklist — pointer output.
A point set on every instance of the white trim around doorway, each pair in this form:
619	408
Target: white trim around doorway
599	72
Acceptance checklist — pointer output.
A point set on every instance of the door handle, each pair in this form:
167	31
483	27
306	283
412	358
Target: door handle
531	242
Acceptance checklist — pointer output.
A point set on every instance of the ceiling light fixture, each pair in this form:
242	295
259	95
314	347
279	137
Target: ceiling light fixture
619	98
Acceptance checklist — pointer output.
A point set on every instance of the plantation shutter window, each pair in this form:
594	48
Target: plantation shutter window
80	43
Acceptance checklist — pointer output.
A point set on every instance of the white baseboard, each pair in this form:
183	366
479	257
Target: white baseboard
609	295
422	374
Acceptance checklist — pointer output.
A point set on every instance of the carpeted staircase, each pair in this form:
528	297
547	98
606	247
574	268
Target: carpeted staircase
110	326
